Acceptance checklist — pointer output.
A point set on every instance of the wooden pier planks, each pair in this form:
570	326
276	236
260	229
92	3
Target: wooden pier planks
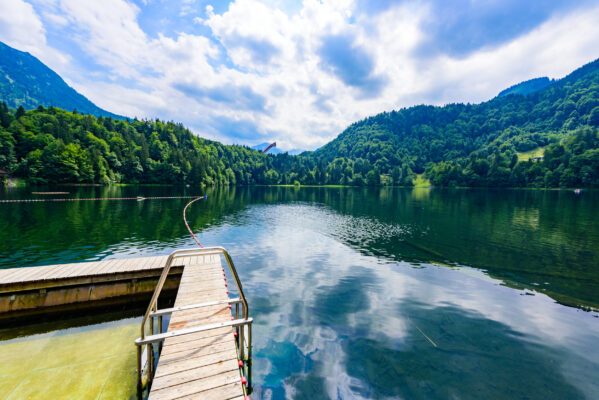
29	291
61	271
202	365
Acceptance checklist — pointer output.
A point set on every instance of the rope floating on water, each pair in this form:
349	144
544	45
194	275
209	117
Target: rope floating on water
423	334
139	198
187	225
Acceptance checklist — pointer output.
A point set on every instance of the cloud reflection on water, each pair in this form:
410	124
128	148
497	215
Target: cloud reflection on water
344	322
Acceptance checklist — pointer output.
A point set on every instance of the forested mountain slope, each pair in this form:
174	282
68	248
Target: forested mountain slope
454	145
26	81
421	136
526	87
53	145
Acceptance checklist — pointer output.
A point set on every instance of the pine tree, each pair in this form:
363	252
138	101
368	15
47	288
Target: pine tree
20	112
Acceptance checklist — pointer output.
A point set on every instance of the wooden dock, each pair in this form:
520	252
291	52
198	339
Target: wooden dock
201	365
30	291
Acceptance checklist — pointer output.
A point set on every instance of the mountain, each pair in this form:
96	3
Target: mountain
527	87
262	146
26	81
295	152
417	138
488	144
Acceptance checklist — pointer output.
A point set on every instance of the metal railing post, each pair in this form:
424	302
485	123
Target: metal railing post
139	376
241	347
249	360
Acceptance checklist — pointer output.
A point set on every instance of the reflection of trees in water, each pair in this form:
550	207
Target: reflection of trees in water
555	249
58	232
528	237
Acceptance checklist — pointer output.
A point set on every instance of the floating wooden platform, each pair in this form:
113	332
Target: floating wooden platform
201	365
24	276
29	291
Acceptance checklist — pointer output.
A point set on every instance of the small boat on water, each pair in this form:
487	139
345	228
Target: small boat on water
577	191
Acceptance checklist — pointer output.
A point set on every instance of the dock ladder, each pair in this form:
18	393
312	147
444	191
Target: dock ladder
153	335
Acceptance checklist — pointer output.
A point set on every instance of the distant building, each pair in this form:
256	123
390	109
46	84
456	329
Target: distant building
536	159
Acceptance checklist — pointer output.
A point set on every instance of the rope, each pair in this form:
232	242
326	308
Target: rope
97	199
185	220
423	334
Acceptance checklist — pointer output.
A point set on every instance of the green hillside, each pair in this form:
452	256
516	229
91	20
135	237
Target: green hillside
467	139
487	144
53	145
26	81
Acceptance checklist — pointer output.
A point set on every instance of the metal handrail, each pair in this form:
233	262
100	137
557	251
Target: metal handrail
166	311
186	331
188	253
152	311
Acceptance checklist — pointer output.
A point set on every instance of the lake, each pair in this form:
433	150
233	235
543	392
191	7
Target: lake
366	292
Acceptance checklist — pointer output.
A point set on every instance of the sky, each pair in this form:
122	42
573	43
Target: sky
298	72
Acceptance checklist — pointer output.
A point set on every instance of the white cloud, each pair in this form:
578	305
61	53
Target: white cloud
110	32
56	19
553	49
262	71
22	28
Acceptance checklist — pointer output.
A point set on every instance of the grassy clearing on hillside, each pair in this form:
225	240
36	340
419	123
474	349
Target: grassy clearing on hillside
525	156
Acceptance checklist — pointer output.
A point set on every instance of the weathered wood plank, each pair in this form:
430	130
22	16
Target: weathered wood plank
208	274
196	362
204	364
230	378
155	263
179	355
199	335
105	267
27	273
211	341
194	318
131	263
206	270
198	288
204	312
178	377
224	392
62	271
49	271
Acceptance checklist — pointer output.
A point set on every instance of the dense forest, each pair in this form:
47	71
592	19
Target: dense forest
50	145
466	144
454	145
53	145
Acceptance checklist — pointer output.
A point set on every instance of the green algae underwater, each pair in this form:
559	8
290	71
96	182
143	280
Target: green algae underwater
95	361
355	292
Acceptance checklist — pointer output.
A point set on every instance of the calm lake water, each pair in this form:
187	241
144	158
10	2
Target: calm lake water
369	293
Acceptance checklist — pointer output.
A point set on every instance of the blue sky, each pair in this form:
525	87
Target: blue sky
297	72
